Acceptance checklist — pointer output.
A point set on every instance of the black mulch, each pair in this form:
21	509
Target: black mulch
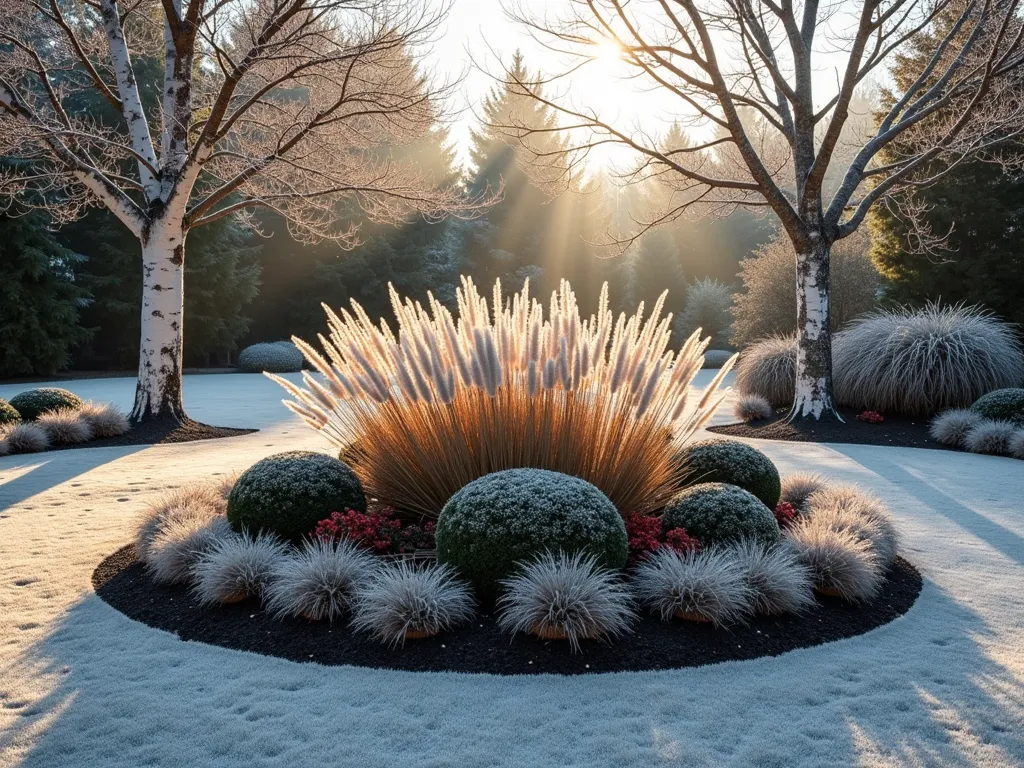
159	432
481	647
895	430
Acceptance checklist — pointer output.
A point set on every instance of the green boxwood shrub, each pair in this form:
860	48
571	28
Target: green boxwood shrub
274	357
1002	404
733	462
289	493
8	413
514	515
33	403
719	513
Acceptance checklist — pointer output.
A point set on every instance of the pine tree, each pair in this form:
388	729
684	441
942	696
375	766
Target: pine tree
39	301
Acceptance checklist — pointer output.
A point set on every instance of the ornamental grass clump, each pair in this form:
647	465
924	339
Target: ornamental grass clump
65	426
25	437
237	567
798	487
750	407
841	564
106	419
768	368
846	507
780	583
990	436
708	585
422	413
951	426
319	581
181	542
919	361
565	597
405	601
194	499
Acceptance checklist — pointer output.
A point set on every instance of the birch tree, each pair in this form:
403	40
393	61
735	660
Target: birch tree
288	105
771	83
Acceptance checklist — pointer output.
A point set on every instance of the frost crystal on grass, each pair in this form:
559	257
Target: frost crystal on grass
320	580
779	581
710	585
236	567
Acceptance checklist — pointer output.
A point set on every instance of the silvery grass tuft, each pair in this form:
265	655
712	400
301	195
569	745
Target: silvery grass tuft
422	413
711	584
750	407
846	507
779	581
237	566
319	581
181	542
768	368
106	419
1016	447
919	361
25	437
798	487
839	561
404	598
951	426
990	436
5	447
565	595
65	426
192	500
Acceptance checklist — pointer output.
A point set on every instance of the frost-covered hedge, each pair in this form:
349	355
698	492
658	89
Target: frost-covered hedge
8	413
716	358
289	493
735	463
1005	404
32	403
517	515
274	357
718	513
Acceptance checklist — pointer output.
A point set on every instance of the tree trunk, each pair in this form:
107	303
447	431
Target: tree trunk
814	340
158	390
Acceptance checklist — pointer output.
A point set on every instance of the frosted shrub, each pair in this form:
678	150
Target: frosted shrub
273	357
951	426
716	358
919	361
65	427
320	580
707	310
404	601
32	403
236	567
567	597
1002	405
709	585
422	413
768	368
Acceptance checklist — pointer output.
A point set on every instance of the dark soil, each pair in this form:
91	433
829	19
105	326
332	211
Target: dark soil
160	432
481	647
895	430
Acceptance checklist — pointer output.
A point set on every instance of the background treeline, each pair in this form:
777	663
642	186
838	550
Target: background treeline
70	297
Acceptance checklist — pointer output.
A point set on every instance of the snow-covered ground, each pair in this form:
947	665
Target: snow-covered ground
82	685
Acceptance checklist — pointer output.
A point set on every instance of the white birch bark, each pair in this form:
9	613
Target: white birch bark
814	342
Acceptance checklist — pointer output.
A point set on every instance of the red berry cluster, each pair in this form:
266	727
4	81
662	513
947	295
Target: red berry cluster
379	530
871	417
646	534
785	514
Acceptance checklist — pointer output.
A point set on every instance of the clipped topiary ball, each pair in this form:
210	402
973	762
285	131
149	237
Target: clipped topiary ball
507	517
289	493
8	413
733	462
33	403
719	513
273	357
1002	404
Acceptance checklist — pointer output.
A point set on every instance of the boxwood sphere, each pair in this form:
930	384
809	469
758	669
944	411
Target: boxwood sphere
719	513
8	413
33	403
735	463
514	515
1003	404
289	493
